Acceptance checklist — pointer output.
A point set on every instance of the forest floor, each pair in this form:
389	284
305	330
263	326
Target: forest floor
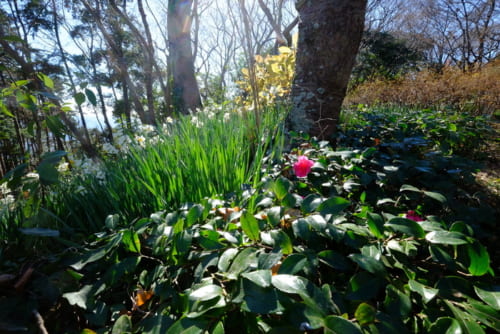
488	180
489	176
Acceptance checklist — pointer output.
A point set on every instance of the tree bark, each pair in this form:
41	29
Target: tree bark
185	88
329	36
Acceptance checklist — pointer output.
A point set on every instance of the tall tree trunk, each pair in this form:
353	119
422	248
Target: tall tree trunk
329	37
185	88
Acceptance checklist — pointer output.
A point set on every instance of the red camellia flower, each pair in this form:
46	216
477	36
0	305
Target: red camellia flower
413	216
303	166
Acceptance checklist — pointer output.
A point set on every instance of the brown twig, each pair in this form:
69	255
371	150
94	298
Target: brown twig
40	322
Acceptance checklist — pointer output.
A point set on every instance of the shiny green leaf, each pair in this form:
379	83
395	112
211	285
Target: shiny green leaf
427	293
489	294
131	241
250	226
376	224
446	238
333	205
479	259
338	325
79	98
368	263
260	277
365	314
406	226
445	325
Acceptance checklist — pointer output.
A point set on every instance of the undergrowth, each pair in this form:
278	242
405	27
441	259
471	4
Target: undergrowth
382	236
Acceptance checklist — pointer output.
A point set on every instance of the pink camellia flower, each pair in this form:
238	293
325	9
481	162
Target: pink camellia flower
413	216
303	166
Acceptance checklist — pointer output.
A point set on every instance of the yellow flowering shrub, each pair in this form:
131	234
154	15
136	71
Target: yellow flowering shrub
273	78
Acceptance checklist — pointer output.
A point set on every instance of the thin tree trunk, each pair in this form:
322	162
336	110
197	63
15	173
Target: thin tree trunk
68	71
329	36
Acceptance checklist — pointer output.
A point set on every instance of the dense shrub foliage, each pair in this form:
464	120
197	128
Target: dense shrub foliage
450	88
385	234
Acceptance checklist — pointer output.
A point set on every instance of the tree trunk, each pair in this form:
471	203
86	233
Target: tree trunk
185	88
329	37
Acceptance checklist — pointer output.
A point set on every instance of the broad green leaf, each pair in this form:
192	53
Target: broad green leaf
79	98
200	307
116	271
250	226
427	293
479	259
408	187
156	324
46	80
396	302
226	258
209	239
131	241
445	325
489	294
53	157
338	325
281	187
365	314
206	292
289	201
90	256
269	260
292	264
283	240
467	321
258	299
79	298
446	238
194	213
123	325
441	256
87	331
219	328
91	96
368	263
311	203
40	232
246	259
274	215
48	173
290	283
317	222
406	226
376	224
181	242
5	110
483	313
188	326
55	125
333	205
301	228
260	277
112	221
437	196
